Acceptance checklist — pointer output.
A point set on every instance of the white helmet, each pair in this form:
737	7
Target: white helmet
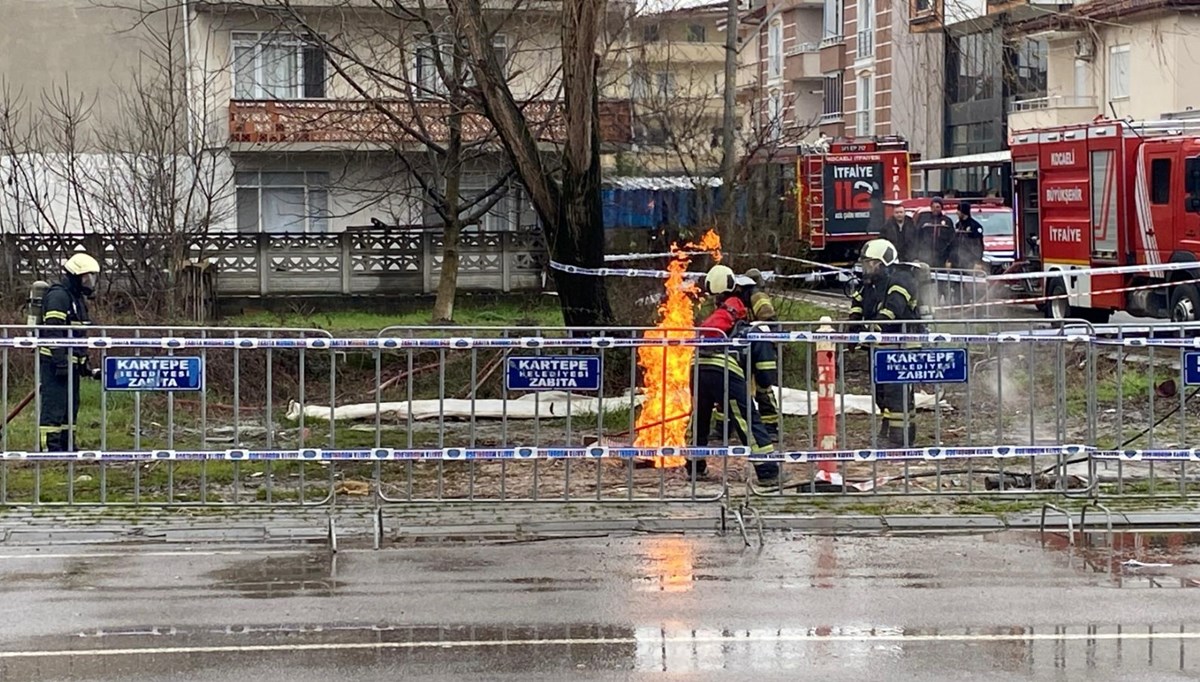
719	280
880	250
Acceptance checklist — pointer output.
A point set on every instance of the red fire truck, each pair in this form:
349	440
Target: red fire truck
1112	193
841	193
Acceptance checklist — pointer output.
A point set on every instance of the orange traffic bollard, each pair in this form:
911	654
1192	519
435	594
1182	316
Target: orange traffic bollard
827	404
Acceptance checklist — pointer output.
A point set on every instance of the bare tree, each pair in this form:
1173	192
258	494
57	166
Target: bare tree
567	199
143	182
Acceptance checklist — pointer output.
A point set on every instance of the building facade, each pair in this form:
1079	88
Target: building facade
781	85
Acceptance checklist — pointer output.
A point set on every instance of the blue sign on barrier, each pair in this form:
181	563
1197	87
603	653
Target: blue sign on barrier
1191	369
554	373
183	373
916	366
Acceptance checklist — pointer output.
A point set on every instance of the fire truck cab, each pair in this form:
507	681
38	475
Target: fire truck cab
841	192
1105	194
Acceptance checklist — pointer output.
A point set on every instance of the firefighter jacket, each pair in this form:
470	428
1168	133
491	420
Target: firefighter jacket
886	303
764	364
935	240
64	306
729	316
761	309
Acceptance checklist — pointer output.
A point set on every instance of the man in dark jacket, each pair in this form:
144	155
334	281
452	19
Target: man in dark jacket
901	232
64	305
935	237
886	302
967	255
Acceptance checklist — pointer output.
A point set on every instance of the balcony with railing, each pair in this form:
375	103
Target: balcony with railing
803	63
1045	112
342	123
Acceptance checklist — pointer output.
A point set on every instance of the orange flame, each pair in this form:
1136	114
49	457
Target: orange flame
667	371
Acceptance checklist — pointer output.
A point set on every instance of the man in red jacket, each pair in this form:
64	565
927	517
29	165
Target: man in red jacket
721	379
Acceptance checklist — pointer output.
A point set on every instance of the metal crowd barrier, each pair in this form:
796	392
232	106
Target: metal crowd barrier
430	415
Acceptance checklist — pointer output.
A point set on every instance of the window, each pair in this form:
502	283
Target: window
665	82
696	34
500	49
269	66
650	33
1160	181
775	49
1083	81
974	67
832	108
866	28
1026	67
283	202
775	116
921	7
639	83
426	76
1118	72
831	31
865	124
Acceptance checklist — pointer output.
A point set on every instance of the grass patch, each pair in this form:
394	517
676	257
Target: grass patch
469	311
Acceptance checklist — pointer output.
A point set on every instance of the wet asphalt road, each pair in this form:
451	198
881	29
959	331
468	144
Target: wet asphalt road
661	606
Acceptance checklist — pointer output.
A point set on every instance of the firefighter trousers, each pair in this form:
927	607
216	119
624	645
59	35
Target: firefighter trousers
743	418
58	395
766	401
895	403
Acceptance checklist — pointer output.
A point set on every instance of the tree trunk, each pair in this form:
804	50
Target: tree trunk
443	305
571	214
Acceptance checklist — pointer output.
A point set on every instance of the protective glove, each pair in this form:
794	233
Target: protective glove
94	373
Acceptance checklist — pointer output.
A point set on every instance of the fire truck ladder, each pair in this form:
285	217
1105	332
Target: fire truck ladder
1163	128
814	209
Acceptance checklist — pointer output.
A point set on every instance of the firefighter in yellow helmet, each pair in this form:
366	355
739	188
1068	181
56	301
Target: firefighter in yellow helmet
65	305
721	378
886	302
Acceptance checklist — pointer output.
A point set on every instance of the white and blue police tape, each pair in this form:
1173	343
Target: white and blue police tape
930	454
1157	455
521	453
539	342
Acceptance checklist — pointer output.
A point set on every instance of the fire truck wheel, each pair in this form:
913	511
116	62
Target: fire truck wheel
1058	307
1185	303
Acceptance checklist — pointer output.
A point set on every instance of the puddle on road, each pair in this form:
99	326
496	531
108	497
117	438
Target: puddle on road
1131	559
273	577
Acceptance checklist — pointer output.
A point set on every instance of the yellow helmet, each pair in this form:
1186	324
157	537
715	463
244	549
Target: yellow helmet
719	280
81	264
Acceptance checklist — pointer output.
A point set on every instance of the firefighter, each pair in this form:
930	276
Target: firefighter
967	255
763	357
721	378
886	302
64	304
757	301
901	232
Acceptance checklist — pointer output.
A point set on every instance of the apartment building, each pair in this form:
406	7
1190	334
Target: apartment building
320	135
881	78
1107	58
782	84
671	66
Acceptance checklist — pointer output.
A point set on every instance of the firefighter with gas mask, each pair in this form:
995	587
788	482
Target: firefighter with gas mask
721	375
64	305
887	302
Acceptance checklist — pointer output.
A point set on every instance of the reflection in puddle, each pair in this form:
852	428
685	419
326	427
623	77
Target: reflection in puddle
1133	559
282	576
670	564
